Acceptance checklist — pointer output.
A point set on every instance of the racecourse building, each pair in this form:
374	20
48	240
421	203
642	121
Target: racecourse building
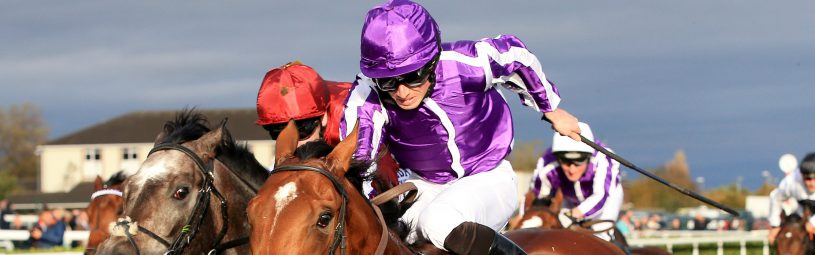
122	143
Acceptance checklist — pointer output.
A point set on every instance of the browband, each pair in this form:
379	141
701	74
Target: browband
103	192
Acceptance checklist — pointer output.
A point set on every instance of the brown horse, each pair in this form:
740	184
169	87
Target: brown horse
793	239
311	204
542	213
104	208
189	195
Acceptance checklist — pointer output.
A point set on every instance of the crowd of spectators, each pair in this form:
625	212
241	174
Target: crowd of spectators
49	229
630	221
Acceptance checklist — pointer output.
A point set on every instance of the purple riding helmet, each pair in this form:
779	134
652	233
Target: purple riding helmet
398	37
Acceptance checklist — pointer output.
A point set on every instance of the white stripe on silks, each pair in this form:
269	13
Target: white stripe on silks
356	99
521	89
480	61
578	191
103	192
451	135
379	119
526	58
546	185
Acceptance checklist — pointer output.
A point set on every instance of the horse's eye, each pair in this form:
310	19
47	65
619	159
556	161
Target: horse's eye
181	193
324	219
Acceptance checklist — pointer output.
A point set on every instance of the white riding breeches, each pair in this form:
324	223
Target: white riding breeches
488	198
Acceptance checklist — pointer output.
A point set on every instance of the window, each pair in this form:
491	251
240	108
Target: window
129	153
94	154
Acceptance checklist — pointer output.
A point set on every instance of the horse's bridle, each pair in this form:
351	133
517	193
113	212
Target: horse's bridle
190	229
339	233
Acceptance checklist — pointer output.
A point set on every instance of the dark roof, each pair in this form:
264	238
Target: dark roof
81	193
143	127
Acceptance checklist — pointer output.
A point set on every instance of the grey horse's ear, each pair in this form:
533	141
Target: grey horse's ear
161	136
340	158
208	142
286	143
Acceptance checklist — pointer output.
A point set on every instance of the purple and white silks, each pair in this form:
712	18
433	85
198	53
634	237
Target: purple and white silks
464	127
590	193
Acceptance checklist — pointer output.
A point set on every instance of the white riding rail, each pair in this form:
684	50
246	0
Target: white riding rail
695	238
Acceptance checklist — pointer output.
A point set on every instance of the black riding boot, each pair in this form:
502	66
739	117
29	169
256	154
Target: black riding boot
471	238
625	249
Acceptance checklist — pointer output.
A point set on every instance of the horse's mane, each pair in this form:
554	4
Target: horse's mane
190	125
793	218
117	178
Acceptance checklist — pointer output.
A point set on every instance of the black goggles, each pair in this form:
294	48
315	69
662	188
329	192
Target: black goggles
305	128
577	161
412	79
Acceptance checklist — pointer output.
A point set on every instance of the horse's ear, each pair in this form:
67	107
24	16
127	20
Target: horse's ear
160	137
97	184
557	202
340	158
286	142
208	142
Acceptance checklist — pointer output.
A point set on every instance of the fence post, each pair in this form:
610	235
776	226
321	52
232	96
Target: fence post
720	250
695	247
743	249
766	249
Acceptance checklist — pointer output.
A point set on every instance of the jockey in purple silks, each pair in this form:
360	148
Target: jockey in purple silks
588	179
435	106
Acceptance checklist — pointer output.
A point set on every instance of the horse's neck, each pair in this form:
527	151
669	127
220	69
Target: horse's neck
361	219
237	195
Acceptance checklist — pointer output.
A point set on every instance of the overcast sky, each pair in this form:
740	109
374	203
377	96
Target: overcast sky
729	82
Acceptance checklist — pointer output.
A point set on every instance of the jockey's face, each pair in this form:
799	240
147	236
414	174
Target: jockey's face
810	183
408	98
573	170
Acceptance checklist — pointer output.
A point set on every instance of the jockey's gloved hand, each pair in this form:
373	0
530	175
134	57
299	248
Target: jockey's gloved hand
565	218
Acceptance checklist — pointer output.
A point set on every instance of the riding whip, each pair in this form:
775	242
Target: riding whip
656	178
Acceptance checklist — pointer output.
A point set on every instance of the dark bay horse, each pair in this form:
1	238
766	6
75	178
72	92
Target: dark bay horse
104	208
793	238
189	196
311	204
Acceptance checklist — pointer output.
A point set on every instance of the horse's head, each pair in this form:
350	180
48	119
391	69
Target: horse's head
307	206
105	206
181	197
792	239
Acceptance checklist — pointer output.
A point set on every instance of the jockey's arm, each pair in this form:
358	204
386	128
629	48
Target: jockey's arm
528	80
362	105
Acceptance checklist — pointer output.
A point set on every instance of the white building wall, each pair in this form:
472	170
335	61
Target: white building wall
64	166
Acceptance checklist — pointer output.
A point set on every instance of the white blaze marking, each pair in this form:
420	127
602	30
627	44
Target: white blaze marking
284	195
533	222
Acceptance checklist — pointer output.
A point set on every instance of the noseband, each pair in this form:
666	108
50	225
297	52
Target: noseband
190	229
339	233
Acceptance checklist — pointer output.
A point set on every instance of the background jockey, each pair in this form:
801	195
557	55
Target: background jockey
798	186
296	92
435	106
589	180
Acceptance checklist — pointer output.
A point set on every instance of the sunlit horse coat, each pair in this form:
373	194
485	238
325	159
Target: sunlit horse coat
464	127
